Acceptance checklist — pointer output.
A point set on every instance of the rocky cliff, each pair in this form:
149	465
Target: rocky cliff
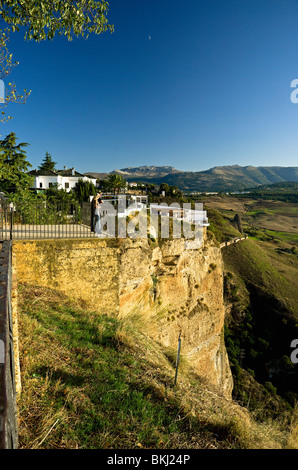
179	291
171	289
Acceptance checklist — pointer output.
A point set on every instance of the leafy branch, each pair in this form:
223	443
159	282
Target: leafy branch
6	66
42	19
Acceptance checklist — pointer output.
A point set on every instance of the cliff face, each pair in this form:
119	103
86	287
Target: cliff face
179	291
173	289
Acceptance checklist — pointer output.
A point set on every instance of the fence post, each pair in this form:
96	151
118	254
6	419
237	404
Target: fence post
11	219
178	358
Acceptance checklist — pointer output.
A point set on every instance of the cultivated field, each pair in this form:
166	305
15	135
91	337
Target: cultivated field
273	227
279	219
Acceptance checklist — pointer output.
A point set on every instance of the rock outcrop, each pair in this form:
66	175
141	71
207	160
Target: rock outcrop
173	289
179	291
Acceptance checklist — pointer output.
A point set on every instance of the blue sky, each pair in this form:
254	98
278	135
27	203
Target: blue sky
211	87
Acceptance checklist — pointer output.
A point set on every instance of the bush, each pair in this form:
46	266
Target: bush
270	387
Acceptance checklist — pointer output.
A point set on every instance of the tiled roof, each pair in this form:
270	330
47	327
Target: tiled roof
43	173
69	172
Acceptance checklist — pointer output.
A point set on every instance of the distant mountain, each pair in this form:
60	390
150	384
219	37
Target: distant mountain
219	178
147	171
99	176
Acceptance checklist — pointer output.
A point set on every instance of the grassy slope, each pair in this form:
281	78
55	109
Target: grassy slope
269	258
259	267
90	381
262	291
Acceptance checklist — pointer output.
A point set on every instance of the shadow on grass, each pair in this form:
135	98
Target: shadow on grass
60	375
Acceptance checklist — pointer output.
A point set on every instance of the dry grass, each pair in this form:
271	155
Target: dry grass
292	442
90	381
231	425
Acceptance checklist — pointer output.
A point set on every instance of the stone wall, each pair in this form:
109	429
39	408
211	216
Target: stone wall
176	290
82	269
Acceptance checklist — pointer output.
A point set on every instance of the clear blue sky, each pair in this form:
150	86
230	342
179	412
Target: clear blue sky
211	87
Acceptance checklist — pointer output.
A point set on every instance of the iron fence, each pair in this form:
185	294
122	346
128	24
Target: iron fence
51	219
40	220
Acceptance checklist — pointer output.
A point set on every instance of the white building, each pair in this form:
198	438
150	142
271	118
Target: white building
62	179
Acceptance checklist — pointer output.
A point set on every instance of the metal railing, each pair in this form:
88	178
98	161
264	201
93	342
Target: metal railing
46	220
52	219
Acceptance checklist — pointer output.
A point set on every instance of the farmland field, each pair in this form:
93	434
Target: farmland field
272	226
278	218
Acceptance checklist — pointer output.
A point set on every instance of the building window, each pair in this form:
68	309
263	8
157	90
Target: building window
40	185
66	186
50	185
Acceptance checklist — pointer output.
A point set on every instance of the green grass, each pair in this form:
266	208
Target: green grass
75	369
91	381
85	383
262	211
220	225
286	236
267	284
251	262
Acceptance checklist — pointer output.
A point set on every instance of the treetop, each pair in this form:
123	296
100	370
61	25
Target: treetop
42	19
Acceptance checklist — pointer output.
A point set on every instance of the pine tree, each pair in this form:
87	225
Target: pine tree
13	165
237	222
48	163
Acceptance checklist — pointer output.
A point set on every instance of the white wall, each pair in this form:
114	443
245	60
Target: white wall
60	180
46	180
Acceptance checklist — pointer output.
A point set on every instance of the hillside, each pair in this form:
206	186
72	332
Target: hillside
286	191
220	178
261	286
231	178
94	382
105	378
147	171
99	176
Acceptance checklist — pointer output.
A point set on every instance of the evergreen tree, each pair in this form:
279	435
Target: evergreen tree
83	190
237	222
164	187
47	163
14	165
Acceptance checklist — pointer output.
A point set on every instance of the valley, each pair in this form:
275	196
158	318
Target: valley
261	293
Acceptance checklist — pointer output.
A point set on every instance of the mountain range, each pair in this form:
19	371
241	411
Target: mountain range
219	178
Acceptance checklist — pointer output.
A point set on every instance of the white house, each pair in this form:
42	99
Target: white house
63	179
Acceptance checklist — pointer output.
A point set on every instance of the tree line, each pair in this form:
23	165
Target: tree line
17	183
